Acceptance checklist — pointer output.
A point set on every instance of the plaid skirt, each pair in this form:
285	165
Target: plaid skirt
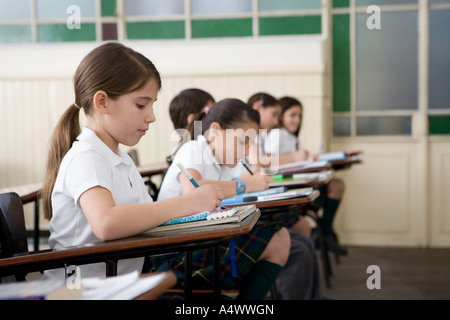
248	248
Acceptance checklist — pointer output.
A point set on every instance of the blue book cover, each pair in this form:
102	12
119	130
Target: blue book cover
194	217
239	198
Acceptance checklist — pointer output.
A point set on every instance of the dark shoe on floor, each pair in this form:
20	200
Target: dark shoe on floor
335	247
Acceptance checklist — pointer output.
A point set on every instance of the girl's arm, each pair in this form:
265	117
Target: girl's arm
228	187
110	221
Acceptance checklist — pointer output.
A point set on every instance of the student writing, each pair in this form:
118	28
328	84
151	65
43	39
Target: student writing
92	190
228	128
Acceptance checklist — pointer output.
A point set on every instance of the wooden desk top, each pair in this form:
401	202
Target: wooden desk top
346	163
281	203
136	246
153	169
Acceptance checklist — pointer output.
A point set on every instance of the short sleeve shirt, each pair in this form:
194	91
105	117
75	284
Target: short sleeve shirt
196	155
280	141
90	163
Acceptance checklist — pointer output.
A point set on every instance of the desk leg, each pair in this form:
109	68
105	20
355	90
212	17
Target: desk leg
36	225
216	253
188	275
111	267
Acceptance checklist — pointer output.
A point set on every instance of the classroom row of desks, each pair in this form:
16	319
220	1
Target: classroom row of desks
147	244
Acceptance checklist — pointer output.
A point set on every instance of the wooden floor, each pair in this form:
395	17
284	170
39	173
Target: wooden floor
405	274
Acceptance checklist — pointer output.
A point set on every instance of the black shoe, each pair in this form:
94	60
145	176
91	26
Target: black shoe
333	246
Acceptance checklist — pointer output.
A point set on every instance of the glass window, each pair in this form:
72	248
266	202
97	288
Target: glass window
341	126
15	10
383	125
270	5
221	7
15	34
222	28
154	7
386	62
60	33
290	25
439	63
50	9
156	30
439	124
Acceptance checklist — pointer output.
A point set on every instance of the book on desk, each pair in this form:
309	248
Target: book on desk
285	180
202	219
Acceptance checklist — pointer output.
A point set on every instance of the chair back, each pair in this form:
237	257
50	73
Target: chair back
13	236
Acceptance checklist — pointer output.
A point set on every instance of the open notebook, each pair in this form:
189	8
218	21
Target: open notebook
219	216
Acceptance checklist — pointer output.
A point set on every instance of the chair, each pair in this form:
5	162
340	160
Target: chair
13	236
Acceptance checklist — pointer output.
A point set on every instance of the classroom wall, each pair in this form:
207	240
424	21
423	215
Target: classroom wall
36	88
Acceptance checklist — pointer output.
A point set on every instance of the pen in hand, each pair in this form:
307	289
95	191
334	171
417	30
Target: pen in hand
187	174
246	166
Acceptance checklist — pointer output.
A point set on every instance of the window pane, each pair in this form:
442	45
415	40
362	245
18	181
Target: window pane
386	62
439	124
439	90
108	8
221	28
221	7
109	31
341	62
15	10
341	127
271	5
154	7
290	25
156	30
367	3
15	34
50	9
394	125
60	33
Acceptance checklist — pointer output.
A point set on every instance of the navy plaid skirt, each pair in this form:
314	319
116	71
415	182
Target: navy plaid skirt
248	248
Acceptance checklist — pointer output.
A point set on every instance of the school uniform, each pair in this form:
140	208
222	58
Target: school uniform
299	279
280	141
197	155
90	163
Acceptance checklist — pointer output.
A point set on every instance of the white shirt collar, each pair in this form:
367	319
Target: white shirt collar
88	136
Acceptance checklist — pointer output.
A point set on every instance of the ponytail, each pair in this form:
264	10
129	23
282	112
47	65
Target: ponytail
65	133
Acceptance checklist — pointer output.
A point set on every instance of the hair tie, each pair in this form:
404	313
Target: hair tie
206	110
75	104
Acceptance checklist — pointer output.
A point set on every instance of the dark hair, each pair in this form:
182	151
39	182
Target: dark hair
265	99
111	67
287	103
188	101
229	113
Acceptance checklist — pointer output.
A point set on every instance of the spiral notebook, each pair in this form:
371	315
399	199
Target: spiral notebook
219	216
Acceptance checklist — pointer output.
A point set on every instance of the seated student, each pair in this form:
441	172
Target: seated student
284	140
300	266
260	255
183	108
301	280
92	189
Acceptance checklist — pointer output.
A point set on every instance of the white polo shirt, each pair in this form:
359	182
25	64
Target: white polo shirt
280	141
90	163
197	155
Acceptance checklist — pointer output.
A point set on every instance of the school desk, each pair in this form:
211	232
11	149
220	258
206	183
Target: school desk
137	246
293	184
345	163
148	172
281	203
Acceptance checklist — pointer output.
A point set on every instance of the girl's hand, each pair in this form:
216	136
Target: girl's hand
301	155
256	182
205	198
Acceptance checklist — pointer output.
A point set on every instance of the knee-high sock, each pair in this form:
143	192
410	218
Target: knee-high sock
259	280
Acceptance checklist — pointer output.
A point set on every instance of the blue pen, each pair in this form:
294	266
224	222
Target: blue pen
187	174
